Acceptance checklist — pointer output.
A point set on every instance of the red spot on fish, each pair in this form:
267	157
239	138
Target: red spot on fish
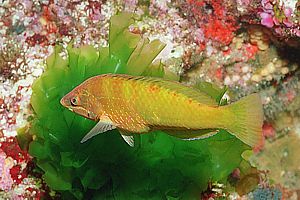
115	83
153	88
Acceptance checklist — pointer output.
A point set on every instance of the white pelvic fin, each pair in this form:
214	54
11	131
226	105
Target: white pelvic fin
128	139
126	135
100	127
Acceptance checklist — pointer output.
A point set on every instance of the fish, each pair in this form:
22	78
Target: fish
138	104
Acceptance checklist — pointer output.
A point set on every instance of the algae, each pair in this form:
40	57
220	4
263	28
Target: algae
105	167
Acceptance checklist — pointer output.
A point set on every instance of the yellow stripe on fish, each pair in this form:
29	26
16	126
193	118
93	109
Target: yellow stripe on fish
136	104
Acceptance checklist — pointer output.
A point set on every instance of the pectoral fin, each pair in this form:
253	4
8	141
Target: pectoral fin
127	137
192	134
100	127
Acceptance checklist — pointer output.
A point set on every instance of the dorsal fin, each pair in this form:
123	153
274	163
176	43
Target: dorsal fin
189	92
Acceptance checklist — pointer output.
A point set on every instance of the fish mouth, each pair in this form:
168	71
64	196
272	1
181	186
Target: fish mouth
63	103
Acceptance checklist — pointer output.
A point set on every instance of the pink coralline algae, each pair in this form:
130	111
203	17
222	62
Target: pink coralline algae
6	164
16	175
94	10
280	17
12	163
267	19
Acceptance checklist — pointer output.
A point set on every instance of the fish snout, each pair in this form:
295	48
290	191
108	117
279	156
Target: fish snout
63	101
66	100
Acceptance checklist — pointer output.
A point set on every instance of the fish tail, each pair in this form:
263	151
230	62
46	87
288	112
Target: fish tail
247	125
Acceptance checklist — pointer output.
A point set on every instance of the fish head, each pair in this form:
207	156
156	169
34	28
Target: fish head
79	102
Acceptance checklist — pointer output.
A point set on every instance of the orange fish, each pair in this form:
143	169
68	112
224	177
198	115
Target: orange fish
136	105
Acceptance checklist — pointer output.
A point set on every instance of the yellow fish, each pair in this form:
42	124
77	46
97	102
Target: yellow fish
135	105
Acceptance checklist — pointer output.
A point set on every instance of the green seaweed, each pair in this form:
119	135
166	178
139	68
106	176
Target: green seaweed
105	167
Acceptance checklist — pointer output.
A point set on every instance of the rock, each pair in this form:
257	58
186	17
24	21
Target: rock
262	45
271	67
256	78
284	70
264	72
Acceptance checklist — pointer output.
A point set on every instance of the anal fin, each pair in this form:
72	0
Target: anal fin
186	134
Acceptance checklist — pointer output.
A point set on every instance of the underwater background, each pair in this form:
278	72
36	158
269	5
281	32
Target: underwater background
231	47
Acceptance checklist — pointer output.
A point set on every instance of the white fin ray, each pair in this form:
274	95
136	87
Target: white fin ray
100	127
128	139
126	135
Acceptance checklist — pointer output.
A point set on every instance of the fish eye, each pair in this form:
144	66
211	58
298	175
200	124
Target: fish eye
74	101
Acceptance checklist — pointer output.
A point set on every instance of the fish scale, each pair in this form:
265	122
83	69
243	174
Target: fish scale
173	111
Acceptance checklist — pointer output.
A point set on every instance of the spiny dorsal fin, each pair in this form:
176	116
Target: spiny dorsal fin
189	92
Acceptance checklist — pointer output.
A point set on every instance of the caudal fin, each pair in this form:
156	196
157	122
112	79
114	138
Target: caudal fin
248	122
